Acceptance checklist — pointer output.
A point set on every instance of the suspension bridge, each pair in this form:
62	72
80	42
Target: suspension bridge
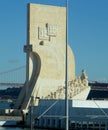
13	78
16	77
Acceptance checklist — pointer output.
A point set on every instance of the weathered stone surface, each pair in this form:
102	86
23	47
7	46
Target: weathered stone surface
47	35
46	45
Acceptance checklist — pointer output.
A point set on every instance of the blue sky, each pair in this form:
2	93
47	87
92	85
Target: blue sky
88	34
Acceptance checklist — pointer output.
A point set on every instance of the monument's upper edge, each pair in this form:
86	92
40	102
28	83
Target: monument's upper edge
47	5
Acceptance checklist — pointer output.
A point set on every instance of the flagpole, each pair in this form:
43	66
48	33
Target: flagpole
66	69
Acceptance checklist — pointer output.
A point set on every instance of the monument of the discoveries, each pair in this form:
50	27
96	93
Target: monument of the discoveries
45	61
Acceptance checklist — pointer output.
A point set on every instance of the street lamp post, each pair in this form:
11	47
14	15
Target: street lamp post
66	70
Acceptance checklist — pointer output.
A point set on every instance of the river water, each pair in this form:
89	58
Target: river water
4	104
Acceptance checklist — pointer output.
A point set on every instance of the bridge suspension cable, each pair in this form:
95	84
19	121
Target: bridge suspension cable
13	77
12	70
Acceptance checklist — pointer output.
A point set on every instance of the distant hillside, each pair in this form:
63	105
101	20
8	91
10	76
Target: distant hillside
10	93
98	84
98	90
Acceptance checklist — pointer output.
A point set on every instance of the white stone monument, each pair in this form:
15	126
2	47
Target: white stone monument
45	49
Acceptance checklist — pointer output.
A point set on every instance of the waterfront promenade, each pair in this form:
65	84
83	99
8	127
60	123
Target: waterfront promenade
10	118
